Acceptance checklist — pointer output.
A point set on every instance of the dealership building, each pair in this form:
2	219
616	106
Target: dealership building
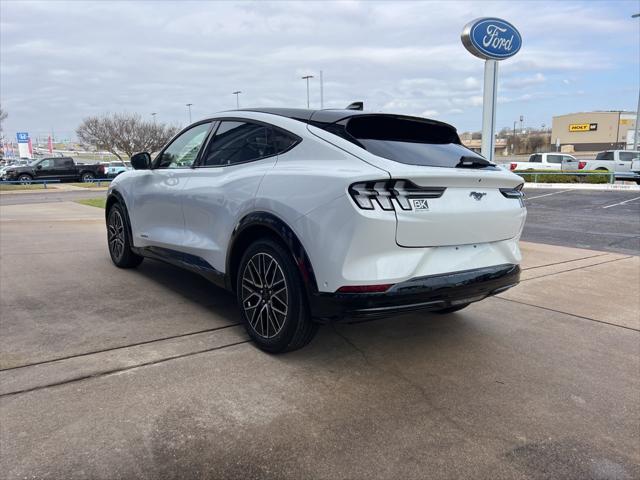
593	131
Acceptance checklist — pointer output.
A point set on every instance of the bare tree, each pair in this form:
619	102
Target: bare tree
3	116
124	133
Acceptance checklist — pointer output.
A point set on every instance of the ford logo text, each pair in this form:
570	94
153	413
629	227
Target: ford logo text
491	38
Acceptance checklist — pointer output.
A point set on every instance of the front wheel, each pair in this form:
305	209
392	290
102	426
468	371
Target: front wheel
87	177
25	179
271	298
119	240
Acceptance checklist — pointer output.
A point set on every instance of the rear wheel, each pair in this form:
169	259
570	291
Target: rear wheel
271	299
119	240
87	177
452	309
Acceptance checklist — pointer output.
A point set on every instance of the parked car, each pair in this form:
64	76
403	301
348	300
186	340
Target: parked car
635	169
544	161
11	163
314	216
612	161
114	169
63	168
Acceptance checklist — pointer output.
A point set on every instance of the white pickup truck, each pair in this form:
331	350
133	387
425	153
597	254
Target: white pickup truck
546	161
617	161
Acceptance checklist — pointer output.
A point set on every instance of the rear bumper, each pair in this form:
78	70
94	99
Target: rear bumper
433	292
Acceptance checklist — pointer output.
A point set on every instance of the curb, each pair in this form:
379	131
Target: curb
585	186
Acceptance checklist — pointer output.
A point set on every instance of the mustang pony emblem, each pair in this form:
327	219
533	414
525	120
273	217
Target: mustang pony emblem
477	195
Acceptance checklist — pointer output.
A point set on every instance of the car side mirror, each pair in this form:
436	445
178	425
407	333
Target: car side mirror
141	161
39	167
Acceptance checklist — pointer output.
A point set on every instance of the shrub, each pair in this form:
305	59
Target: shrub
559	176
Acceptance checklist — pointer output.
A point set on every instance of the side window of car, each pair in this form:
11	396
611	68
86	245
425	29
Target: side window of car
628	156
537	158
46	163
283	141
554	158
60	163
238	142
182	152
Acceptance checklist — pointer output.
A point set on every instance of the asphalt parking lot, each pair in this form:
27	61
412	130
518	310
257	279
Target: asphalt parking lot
114	374
600	220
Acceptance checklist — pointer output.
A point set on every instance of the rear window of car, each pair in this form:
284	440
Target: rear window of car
604	156
407	140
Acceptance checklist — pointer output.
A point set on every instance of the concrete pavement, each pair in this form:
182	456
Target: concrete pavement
146	374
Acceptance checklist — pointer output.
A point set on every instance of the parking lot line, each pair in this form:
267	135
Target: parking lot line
622	203
547	194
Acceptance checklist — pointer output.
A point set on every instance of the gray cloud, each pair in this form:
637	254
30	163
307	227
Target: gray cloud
61	61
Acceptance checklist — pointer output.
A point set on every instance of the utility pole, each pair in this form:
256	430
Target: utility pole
237	94
636	141
307	77
189	107
321	92
153	115
513	139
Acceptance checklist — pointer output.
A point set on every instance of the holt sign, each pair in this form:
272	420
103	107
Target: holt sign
491	38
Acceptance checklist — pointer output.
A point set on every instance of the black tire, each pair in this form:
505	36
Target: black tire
272	300
451	309
119	239
25	179
87	177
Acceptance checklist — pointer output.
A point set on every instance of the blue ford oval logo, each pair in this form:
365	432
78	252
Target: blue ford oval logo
491	38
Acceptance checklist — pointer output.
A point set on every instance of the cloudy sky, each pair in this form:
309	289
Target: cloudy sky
62	61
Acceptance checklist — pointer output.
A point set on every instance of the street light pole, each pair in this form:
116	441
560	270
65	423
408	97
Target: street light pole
237	94
153	115
321	91
636	141
307	77
189	107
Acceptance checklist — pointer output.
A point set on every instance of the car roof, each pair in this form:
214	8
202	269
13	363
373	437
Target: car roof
328	116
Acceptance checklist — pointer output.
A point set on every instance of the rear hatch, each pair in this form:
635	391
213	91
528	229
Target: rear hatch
453	195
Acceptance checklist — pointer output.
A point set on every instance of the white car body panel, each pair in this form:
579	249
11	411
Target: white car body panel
196	210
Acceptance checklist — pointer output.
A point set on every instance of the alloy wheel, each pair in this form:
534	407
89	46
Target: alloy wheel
265	297
116	234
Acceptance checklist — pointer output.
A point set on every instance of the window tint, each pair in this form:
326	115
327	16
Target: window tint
282	141
408	140
60	162
554	158
239	142
568	158
628	156
536	158
46	163
183	150
604	156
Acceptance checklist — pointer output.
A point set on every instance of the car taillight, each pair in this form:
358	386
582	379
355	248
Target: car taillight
388	193
365	288
515	192
101	169
581	165
513	166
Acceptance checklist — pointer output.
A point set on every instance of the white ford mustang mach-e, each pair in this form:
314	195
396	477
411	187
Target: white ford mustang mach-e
312	216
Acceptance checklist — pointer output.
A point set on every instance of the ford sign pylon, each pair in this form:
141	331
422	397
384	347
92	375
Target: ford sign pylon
491	39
